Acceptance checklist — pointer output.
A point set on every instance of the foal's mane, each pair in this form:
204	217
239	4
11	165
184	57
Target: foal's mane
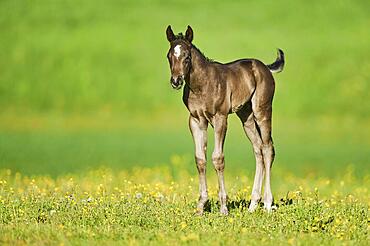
180	36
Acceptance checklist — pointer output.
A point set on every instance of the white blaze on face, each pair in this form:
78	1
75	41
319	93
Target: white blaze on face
177	50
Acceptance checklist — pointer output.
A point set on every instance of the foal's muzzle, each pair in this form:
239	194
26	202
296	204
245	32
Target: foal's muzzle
177	82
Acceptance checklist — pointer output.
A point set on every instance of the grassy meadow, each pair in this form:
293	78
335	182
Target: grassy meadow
95	146
150	206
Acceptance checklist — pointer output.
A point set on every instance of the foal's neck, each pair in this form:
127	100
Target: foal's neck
199	68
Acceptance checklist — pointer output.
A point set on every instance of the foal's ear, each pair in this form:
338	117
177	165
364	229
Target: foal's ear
170	35
189	34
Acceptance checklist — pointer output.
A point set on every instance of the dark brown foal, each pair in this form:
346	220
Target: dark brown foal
214	90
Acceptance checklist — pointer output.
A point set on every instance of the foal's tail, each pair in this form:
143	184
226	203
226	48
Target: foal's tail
278	65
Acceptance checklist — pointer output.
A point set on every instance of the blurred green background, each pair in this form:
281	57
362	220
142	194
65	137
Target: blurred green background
86	83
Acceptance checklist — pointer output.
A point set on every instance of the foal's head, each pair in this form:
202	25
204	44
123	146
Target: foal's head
179	56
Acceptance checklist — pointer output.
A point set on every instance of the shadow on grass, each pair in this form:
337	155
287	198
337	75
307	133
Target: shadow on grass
214	205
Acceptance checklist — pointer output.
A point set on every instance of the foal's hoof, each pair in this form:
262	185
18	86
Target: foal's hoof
199	211
253	206
269	208
224	211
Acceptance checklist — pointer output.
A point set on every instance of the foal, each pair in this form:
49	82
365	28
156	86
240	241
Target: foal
214	90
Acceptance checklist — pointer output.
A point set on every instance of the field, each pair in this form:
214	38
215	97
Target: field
95	146
149	206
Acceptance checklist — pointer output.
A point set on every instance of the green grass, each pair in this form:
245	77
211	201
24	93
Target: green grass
150	206
53	145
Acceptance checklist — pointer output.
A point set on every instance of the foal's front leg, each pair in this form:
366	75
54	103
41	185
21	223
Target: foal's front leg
198	128
220	127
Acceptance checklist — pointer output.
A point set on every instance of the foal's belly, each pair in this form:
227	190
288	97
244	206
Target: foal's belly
242	86
240	96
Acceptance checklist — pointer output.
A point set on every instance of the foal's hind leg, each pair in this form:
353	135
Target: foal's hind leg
263	119
198	128
247	118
